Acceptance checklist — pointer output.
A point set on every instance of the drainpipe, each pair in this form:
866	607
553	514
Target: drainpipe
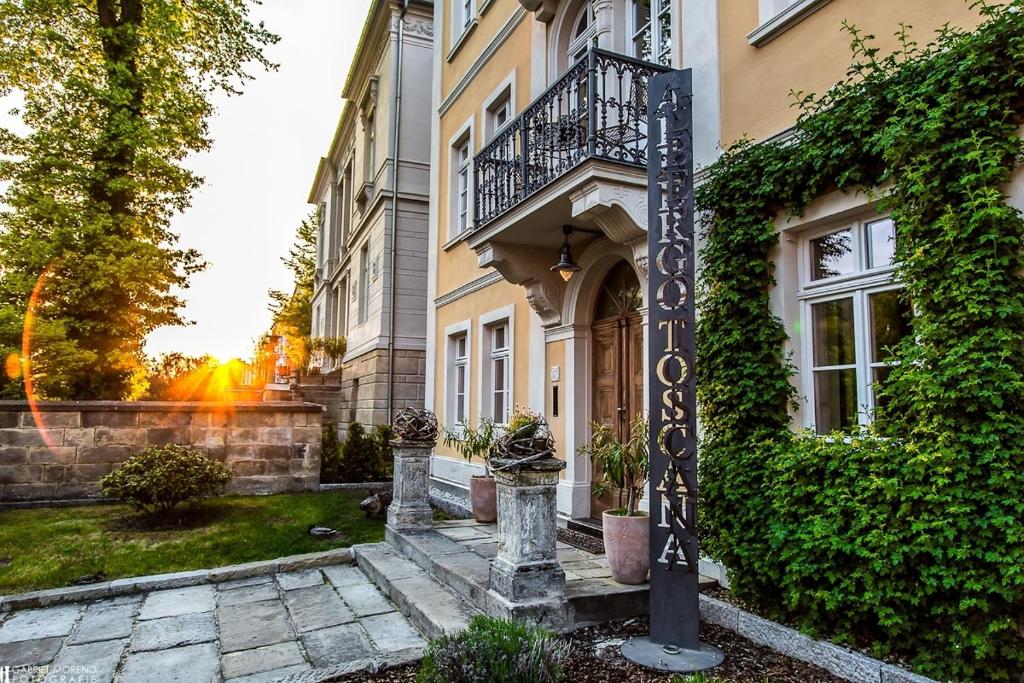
395	149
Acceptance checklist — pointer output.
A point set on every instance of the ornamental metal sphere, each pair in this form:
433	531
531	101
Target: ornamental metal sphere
532	441
415	424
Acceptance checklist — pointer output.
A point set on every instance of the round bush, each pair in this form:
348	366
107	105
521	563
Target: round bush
161	477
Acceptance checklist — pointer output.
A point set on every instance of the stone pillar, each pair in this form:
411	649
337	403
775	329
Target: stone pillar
410	507
526	567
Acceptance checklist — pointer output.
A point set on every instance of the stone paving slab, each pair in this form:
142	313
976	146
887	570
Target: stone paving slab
161	634
176	602
35	624
104	620
316	607
98	659
255	593
189	664
261	660
303	579
243	630
337	645
253	624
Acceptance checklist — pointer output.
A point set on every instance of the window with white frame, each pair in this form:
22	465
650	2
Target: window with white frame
458	379
371	147
364	282
463	12
499	112
321	218
853	315
498	396
461	164
584	28
651	30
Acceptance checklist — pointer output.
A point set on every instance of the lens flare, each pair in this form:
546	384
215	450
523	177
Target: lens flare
34	302
13	366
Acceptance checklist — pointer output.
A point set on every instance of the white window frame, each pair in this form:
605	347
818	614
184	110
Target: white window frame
778	16
364	283
578	45
858	285
505	94
463	137
452	333
661	12
504	316
463	14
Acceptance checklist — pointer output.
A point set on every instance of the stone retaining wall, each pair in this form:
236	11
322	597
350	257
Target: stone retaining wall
59	450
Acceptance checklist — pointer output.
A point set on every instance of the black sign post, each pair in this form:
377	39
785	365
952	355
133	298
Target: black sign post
674	643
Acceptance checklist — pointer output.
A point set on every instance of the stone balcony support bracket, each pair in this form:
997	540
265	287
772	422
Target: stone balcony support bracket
522	266
619	210
410	508
543	10
526	567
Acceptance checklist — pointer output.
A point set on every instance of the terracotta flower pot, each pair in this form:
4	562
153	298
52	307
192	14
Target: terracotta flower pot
627	545
483	494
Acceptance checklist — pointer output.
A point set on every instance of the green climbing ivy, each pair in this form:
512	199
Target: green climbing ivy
908	538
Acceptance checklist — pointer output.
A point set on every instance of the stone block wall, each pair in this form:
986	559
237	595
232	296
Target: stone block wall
364	385
59	450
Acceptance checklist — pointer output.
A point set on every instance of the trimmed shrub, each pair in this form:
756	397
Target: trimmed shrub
160	478
382	436
330	454
493	650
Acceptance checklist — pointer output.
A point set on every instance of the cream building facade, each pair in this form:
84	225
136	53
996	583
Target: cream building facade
538	124
372	195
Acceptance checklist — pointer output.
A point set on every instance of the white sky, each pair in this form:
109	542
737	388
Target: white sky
266	145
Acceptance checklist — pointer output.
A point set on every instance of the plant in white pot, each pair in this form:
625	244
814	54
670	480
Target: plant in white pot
625	466
478	443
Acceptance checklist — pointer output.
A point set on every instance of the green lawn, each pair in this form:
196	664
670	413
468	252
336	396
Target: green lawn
51	547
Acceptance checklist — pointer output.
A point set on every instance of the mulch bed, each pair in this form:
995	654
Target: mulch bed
594	656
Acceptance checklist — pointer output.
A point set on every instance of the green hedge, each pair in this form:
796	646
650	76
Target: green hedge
909	541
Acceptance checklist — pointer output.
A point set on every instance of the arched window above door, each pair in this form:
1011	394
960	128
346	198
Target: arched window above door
620	294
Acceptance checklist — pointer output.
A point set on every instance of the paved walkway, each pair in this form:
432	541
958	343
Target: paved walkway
246	631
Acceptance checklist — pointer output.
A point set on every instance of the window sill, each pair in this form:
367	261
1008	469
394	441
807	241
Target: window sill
784	20
454	241
461	40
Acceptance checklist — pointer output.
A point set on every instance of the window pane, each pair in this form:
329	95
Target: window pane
460	347
499	337
832	255
890	322
832	323
835	400
499	374
881	243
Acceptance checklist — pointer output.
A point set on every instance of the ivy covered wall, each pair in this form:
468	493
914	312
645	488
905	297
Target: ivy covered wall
906	538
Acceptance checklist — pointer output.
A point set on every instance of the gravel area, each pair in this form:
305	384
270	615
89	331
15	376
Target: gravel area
594	657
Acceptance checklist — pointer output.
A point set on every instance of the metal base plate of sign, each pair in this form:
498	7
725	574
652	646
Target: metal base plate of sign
674	642
672	658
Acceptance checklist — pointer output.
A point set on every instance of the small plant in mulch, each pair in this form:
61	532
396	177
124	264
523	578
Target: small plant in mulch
493	650
161	478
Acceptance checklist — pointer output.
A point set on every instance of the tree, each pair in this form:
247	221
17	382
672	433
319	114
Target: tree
293	312
116	94
170	371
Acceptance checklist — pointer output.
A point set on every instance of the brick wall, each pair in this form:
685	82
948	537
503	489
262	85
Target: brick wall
60	450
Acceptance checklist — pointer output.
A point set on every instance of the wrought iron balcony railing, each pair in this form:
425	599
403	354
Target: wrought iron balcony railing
597	110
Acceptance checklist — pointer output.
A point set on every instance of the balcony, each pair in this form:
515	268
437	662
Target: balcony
596	111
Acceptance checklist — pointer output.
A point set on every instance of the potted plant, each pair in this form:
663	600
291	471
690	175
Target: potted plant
625	466
477	443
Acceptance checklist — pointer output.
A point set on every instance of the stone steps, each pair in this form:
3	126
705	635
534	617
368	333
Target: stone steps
429	605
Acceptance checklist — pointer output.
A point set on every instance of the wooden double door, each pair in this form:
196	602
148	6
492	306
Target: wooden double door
618	386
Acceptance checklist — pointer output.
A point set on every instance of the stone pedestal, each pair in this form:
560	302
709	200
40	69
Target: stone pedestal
410	508
526	567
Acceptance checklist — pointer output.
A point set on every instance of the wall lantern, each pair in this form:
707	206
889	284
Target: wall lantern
567	265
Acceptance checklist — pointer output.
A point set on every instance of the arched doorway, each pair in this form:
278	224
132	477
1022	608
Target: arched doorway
618	372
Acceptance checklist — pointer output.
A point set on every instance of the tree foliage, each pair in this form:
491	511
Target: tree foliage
115	95
293	311
909	541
